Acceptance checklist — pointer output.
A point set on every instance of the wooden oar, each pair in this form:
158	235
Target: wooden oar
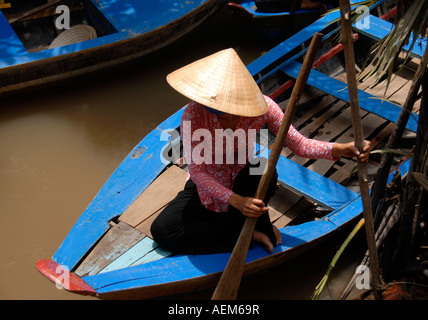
348	45
227	288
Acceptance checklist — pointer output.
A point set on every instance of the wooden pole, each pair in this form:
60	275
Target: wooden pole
227	288
28	13
378	190
347	41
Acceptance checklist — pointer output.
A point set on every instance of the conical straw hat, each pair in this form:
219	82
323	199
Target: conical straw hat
222	82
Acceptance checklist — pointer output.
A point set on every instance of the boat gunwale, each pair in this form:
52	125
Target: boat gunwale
260	15
60	58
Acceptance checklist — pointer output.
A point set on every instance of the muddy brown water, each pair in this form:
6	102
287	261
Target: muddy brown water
59	145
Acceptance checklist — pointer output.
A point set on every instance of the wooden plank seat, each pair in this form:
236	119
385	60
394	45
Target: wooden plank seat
334	125
150	203
328	120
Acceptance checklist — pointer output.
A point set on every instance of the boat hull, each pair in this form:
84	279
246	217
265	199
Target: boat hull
180	274
190	273
208	281
272	26
106	52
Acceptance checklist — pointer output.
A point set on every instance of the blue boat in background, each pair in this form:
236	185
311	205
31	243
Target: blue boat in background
103	33
109	252
275	26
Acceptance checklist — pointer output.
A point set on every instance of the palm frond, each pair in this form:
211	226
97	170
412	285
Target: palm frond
410	26
421	179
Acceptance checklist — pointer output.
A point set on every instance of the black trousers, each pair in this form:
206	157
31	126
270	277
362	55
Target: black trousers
186	226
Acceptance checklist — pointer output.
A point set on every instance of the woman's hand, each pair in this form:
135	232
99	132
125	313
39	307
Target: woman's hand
250	207
349	150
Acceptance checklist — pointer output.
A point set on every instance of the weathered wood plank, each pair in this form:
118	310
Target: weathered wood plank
299	207
338	89
282	201
332	131
153	255
144	251
370	123
144	226
309	129
116	241
156	196
274	214
343	172
398	88
324	104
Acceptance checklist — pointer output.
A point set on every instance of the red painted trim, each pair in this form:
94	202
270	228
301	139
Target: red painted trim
282	88
403	159
331	53
62	277
389	14
326	56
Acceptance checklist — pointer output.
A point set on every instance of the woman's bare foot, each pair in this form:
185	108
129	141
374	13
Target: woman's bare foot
264	239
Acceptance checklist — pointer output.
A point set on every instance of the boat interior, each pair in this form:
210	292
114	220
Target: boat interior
321	115
34	22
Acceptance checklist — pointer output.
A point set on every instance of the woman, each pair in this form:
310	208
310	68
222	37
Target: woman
228	106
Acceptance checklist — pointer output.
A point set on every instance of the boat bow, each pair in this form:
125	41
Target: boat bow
63	278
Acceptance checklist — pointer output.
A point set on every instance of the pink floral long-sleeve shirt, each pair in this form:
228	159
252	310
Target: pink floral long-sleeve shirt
214	162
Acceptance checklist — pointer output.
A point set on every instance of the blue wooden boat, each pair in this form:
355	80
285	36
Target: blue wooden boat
247	9
125	29
109	253
274	26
